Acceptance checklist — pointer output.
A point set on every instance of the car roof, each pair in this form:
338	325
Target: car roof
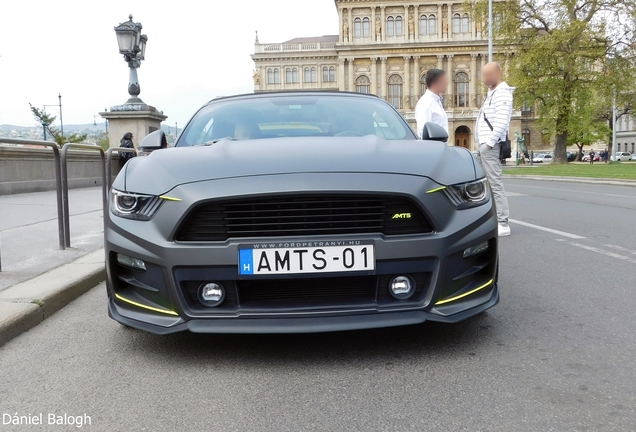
293	93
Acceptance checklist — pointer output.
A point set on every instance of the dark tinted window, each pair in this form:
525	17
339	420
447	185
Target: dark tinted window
295	116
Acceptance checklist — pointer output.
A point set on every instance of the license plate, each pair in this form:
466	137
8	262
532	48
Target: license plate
298	258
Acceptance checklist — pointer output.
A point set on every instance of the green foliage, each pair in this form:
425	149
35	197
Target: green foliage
46	119
569	58
103	142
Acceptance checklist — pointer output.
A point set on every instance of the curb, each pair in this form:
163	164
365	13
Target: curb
564	179
28	303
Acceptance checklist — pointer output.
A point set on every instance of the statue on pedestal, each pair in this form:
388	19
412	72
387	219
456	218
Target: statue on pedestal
411	27
257	77
345	30
378	29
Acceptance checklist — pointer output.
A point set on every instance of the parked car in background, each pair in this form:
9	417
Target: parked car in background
622	156
571	156
543	158
586	158
633	157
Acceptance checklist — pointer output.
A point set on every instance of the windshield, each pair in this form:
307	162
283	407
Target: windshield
295	116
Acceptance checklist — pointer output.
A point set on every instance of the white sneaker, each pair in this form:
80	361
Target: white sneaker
504	230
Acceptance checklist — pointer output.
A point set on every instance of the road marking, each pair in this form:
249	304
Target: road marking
620	248
583	192
513	194
550	230
604	252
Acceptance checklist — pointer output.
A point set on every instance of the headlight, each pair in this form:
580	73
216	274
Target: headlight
471	194
134	206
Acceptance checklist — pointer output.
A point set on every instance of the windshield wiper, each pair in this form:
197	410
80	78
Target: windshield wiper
214	141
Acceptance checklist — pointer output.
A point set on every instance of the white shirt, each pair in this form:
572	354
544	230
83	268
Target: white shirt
430	109
497	109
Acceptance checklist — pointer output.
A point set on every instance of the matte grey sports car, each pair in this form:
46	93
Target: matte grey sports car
300	212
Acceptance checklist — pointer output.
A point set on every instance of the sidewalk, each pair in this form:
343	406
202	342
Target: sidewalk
29	235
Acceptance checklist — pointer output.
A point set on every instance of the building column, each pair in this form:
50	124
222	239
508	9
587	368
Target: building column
407	82
350	25
450	21
374	76
416	20
341	74
350	72
473	81
449	71
341	21
440	61
438	21
383	77
416	79
405	33
383	17
372	24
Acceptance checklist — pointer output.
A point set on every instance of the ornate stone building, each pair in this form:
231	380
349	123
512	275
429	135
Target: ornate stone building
385	47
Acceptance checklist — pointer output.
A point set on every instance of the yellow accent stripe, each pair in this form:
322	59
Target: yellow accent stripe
154	309
487	284
167	198
436	190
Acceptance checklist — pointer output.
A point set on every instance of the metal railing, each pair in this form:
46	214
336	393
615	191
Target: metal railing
64	169
58	179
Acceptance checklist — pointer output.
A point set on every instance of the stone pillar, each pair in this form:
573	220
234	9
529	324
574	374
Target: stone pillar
406	34
350	72
450	21
341	22
416	79
440	61
373	35
374	76
407	82
383	77
438	21
140	119
449	71
383	17
341	74
351	25
416	19
473	81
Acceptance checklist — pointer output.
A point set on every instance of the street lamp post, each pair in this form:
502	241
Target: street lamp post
489	31
59	97
44	125
132	44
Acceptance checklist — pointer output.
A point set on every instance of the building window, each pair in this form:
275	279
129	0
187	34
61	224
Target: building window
461	89
395	91
465	24
432	25
366	27
328	74
357	27
291	75
632	147
399	28
390	26
273	76
310	75
363	84
423	24
457	23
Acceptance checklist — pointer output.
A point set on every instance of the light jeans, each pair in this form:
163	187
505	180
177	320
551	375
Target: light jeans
489	160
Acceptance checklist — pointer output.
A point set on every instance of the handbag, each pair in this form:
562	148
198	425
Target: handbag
505	147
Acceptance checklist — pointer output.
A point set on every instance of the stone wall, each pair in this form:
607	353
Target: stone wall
26	169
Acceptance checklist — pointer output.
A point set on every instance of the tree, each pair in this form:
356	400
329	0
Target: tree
47	120
585	125
563	51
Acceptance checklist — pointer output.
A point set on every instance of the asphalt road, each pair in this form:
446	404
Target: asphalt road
557	354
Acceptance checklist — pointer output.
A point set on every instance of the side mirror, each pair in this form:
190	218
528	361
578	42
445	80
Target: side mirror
154	141
434	132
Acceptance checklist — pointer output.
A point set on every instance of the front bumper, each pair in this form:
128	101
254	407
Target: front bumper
160	299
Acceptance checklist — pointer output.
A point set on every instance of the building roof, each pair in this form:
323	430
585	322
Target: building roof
314	39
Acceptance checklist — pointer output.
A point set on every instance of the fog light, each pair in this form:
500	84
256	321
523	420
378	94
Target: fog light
476	250
211	294
131	262
402	287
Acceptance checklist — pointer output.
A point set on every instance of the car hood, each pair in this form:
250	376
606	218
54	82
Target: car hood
165	169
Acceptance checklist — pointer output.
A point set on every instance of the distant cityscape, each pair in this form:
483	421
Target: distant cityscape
94	132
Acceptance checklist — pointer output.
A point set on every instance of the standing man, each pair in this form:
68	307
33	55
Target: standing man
491	129
430	108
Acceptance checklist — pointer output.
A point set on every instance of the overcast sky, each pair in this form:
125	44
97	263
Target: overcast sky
196	50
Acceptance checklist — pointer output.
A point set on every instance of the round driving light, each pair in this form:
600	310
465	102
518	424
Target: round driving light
211	294
402	287
475	191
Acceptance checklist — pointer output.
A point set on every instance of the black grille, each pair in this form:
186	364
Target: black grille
303	216
307	291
